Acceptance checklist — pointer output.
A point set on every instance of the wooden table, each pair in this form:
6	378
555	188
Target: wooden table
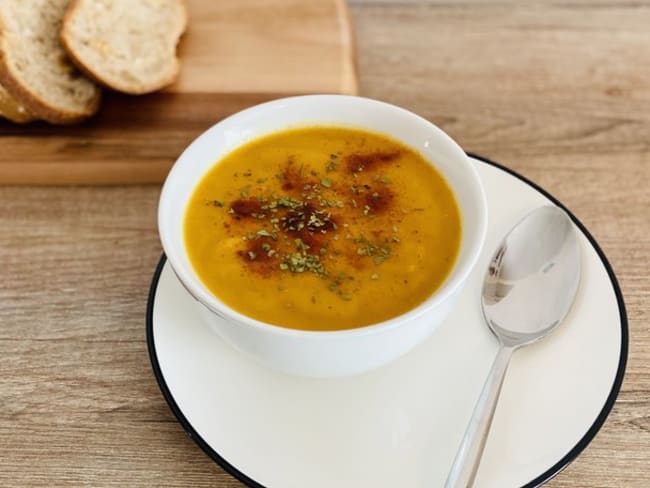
558	91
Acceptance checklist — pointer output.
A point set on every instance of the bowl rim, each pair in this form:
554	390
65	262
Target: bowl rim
192	283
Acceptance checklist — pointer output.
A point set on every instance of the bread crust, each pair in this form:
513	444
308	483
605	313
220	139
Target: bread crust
10	109
67	40
32	102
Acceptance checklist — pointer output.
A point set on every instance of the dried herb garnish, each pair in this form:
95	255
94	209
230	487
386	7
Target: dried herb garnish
379	250
296	220
301	246
301	263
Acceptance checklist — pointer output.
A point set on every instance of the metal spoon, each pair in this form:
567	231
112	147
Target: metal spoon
529	288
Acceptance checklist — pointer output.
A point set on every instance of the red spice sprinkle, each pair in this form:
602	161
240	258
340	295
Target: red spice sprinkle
256	255
246	207
314	241
362	162
297	218
307	217
379	199
293	177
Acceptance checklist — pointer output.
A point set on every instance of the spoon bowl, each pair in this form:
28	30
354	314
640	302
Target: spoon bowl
528	290
532	278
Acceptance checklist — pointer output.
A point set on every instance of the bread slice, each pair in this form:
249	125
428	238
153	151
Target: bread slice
12	110
33	66
126	45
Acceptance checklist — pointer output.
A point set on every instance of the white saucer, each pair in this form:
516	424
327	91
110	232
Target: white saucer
400	425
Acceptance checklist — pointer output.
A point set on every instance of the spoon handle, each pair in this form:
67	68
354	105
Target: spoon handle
468	457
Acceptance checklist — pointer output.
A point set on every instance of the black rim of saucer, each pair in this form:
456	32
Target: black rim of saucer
538	481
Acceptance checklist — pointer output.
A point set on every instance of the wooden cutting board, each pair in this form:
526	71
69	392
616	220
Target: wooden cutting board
235	53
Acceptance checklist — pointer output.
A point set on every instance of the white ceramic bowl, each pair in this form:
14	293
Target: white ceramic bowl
330	353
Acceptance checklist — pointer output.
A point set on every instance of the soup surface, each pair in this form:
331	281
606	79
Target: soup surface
322	228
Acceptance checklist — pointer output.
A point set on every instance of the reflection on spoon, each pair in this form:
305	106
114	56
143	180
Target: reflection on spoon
529	287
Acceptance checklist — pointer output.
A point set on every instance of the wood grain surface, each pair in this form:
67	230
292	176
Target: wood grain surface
258	48
262	46
558	91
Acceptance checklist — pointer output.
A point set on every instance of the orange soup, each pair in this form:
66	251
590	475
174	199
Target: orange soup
323	228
